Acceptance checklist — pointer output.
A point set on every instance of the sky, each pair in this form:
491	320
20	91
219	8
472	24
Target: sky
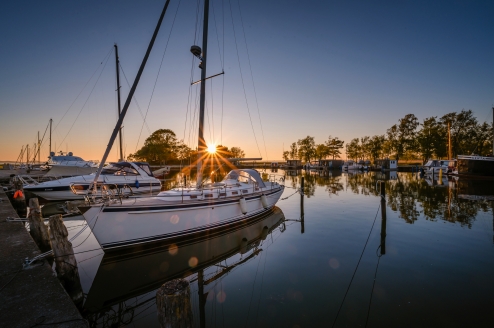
292	69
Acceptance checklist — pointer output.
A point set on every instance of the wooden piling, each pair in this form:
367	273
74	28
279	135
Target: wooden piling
173	304
383	217
37	227
65	262
302	214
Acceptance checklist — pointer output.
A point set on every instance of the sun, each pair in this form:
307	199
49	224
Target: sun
212	148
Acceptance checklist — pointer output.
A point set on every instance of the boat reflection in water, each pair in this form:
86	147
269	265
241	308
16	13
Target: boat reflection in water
125	283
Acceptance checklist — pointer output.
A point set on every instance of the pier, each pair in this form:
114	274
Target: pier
32	295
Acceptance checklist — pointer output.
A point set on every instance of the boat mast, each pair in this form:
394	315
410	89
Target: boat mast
201	147
118	96
129	97
49	155
449	142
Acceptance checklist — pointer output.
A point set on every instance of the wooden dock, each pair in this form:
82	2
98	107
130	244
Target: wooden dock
29	296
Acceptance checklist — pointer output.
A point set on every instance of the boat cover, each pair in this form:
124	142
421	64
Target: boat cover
253	173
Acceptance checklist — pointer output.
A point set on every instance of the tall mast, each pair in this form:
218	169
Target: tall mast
201	143
118	96
39	149
449	142
51	121
129	97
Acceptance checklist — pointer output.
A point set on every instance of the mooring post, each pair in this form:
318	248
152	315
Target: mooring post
383	217
37	227
173	304
65	262
302	205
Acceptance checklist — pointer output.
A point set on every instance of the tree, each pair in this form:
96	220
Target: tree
321	151
306	148
286	155
402	136
237	152
334	145
160	146
432	139
293	151
353	149
462	127
375	147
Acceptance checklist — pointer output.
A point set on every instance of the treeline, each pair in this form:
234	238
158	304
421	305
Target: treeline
408	140
162	146
306	149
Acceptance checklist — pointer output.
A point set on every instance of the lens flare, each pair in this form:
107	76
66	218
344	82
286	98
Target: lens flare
212	149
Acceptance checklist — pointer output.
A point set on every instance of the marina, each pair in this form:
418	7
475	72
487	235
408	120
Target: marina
296	165
331	257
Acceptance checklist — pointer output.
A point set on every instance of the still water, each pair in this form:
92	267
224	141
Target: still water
332	263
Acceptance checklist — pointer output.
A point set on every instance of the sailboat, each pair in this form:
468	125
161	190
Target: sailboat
182	213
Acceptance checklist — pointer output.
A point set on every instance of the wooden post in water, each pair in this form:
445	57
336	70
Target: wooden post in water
65	262
383	217
302	223
37	227
173	304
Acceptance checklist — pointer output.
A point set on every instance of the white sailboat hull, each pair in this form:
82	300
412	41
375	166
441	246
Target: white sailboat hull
153	220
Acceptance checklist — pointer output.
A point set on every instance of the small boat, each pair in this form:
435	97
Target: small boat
134	176
350	165
433	166
68	159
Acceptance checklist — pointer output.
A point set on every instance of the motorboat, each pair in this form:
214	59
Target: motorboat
350	165
434	166
136	177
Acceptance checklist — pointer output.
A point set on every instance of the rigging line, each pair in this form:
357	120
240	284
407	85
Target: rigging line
223	68
189	96
87	99
135	99
105	58
252	77
212	108
242	78
373	284
253	287
196	32
158	74
209	123
262	281
355	271
217	38
40	144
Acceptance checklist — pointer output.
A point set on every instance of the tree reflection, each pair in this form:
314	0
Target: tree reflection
452	199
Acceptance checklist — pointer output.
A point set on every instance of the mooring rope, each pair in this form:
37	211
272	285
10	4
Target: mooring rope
356	268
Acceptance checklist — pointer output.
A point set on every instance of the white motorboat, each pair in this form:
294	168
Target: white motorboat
182	212
351	166
136	175
434	166
68	159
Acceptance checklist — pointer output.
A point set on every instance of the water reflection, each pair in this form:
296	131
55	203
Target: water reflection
437	239
125	284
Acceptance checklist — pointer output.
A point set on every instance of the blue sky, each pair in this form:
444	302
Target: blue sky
320	68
